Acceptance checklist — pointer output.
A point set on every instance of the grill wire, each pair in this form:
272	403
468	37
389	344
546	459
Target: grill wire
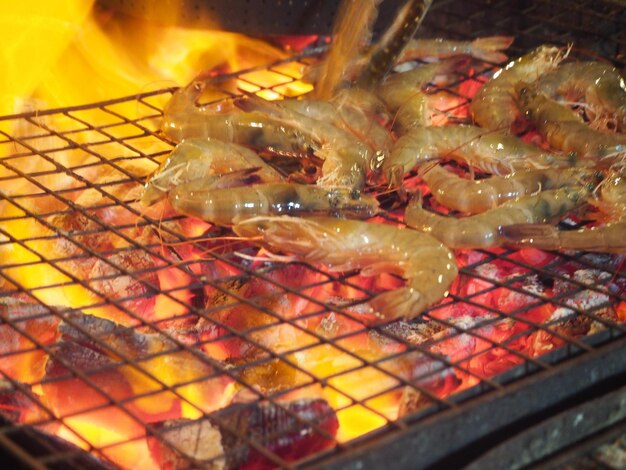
133	139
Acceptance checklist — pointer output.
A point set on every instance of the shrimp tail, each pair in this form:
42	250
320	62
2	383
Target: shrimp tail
490	48
544	235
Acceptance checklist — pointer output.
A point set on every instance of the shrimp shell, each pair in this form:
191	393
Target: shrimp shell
609	238
564	129
483	230
346	158
612	196
198	158
183	119
428	267
345	114
402	92
476	196
599	85
486	48
494	105
491	152
226	206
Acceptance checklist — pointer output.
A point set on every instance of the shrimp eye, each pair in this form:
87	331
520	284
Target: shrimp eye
355	194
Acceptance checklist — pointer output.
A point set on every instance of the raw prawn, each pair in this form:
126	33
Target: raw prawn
226	206
348	112
612	196
607	238
599	85
487	48
565	130
494	105
491	152
346	158
476	196
183	119
195	159
427	265
483	230
403	94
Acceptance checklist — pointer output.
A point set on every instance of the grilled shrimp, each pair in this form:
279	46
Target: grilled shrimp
487	48
491	152
476	196
346	158
608	238
226	206
612	196
403	94
183	119
565	130
344	112
483	230
599	85
199	158
428	267
494	105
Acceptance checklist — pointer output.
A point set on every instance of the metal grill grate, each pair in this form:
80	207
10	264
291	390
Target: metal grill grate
63	257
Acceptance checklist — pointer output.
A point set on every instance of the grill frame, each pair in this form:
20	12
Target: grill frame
431	425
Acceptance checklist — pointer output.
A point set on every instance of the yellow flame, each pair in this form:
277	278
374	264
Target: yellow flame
352	382
128	454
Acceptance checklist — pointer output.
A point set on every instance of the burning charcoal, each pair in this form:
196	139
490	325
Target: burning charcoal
41	444
17	406
77	226
180	442
412	400
415	332
290	431
20	358
151	363
586	300
136	291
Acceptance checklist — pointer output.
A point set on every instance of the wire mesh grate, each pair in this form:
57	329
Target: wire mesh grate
139	337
